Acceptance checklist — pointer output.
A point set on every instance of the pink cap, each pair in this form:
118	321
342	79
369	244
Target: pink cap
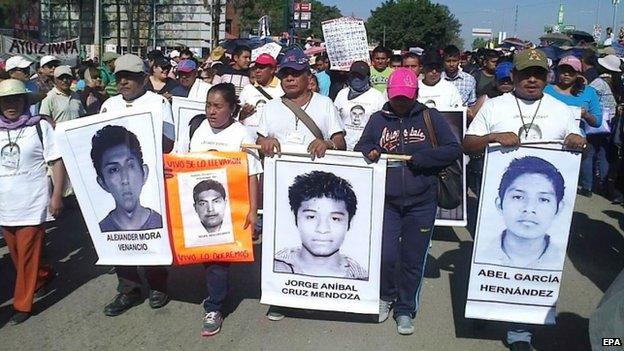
402	82
266	60
571	61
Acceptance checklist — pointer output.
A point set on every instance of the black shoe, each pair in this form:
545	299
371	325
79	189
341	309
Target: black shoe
617	200
585	192
122	303
158	299
520	346
19	318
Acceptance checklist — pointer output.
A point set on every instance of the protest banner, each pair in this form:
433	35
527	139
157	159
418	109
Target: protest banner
525	212
346	42
457	217
183	111
114	161
67	50
207	204
272	49
321	246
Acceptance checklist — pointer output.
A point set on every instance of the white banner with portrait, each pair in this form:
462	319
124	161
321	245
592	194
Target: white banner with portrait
321	246
346	42
114	161
455	217
183	111
525	211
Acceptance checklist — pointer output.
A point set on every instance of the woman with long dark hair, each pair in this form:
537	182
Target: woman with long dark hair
572	90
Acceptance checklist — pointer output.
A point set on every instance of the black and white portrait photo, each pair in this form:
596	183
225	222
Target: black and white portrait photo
114	162
205	207
323	206
357	113
118	162
526	209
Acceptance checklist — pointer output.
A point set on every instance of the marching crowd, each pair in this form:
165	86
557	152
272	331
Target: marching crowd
298	103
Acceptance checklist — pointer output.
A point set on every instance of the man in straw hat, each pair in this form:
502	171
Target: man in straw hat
26	147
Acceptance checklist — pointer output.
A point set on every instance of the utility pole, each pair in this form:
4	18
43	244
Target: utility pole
615	4
516	23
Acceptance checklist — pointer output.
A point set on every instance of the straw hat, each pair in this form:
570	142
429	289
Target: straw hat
610	62
13	87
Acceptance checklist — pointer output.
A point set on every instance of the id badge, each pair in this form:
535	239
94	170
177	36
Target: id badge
10	156
294	137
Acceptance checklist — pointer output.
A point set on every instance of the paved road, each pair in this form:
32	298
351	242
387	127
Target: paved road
70	317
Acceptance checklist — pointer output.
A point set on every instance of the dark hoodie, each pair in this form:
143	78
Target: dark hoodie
388	133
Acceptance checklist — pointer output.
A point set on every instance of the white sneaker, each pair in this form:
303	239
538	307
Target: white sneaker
273	315
384	310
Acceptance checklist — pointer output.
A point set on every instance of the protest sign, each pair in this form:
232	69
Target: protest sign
272	49
114	161
321	246
346	42
208	202
456	120
67	50
183	111
525	211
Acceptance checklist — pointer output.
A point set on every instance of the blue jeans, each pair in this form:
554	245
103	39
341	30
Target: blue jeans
217	275
519	334
595	162
406	234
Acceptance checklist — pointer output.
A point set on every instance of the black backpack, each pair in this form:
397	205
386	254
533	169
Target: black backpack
194	123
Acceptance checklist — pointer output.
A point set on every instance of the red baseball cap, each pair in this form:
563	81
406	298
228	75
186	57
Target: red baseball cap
266	60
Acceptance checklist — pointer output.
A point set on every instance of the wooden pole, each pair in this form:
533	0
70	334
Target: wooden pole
392	157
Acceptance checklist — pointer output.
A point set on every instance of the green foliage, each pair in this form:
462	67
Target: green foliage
409	23
250	12
479	43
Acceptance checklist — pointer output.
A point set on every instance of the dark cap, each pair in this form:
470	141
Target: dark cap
432	59
161	61
360	67
530	58
295	59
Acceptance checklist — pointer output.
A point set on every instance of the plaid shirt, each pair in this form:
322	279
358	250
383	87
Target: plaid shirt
466	84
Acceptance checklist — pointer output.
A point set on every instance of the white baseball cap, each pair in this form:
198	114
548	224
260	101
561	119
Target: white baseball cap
174	53
47	59
17	62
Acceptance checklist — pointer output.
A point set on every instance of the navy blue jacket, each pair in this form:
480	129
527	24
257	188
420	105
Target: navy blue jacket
389	133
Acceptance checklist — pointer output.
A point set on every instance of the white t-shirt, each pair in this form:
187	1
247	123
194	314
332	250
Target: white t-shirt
251	95
206	138
553	121
24	186
279	122
441	96
355	113
149	99
199	90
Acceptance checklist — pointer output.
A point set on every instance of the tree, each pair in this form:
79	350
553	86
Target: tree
407	23
479	43
250	11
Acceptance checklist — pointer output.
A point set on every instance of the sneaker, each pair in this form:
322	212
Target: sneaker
520	346
585	192
384	310
212	323
19	318
274	315
404	325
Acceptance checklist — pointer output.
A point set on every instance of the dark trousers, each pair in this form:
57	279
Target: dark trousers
217	275
406	234
129	280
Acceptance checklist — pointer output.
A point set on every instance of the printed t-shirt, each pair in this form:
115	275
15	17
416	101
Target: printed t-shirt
356	112
251	95
278	121
207	138
443	95
24	187
553	121
379	80
149	99
199	90
62	107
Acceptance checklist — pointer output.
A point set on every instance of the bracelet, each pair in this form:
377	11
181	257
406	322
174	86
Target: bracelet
333	145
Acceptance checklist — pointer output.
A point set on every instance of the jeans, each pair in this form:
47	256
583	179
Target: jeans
519	334
217	275
598	146
406	234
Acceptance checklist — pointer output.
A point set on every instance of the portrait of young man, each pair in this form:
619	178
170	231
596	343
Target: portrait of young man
323	206
530	197
210	203
118	161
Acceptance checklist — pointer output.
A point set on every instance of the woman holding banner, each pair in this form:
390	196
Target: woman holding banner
218	130
411	200
27	147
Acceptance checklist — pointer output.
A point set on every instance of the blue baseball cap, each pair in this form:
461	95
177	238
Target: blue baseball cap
503	70
295	59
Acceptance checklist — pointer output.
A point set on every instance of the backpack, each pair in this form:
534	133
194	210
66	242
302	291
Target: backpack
194	123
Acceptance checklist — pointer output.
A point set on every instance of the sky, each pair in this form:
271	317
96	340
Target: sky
499	15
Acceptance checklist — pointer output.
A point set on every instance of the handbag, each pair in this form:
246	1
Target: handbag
450	189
